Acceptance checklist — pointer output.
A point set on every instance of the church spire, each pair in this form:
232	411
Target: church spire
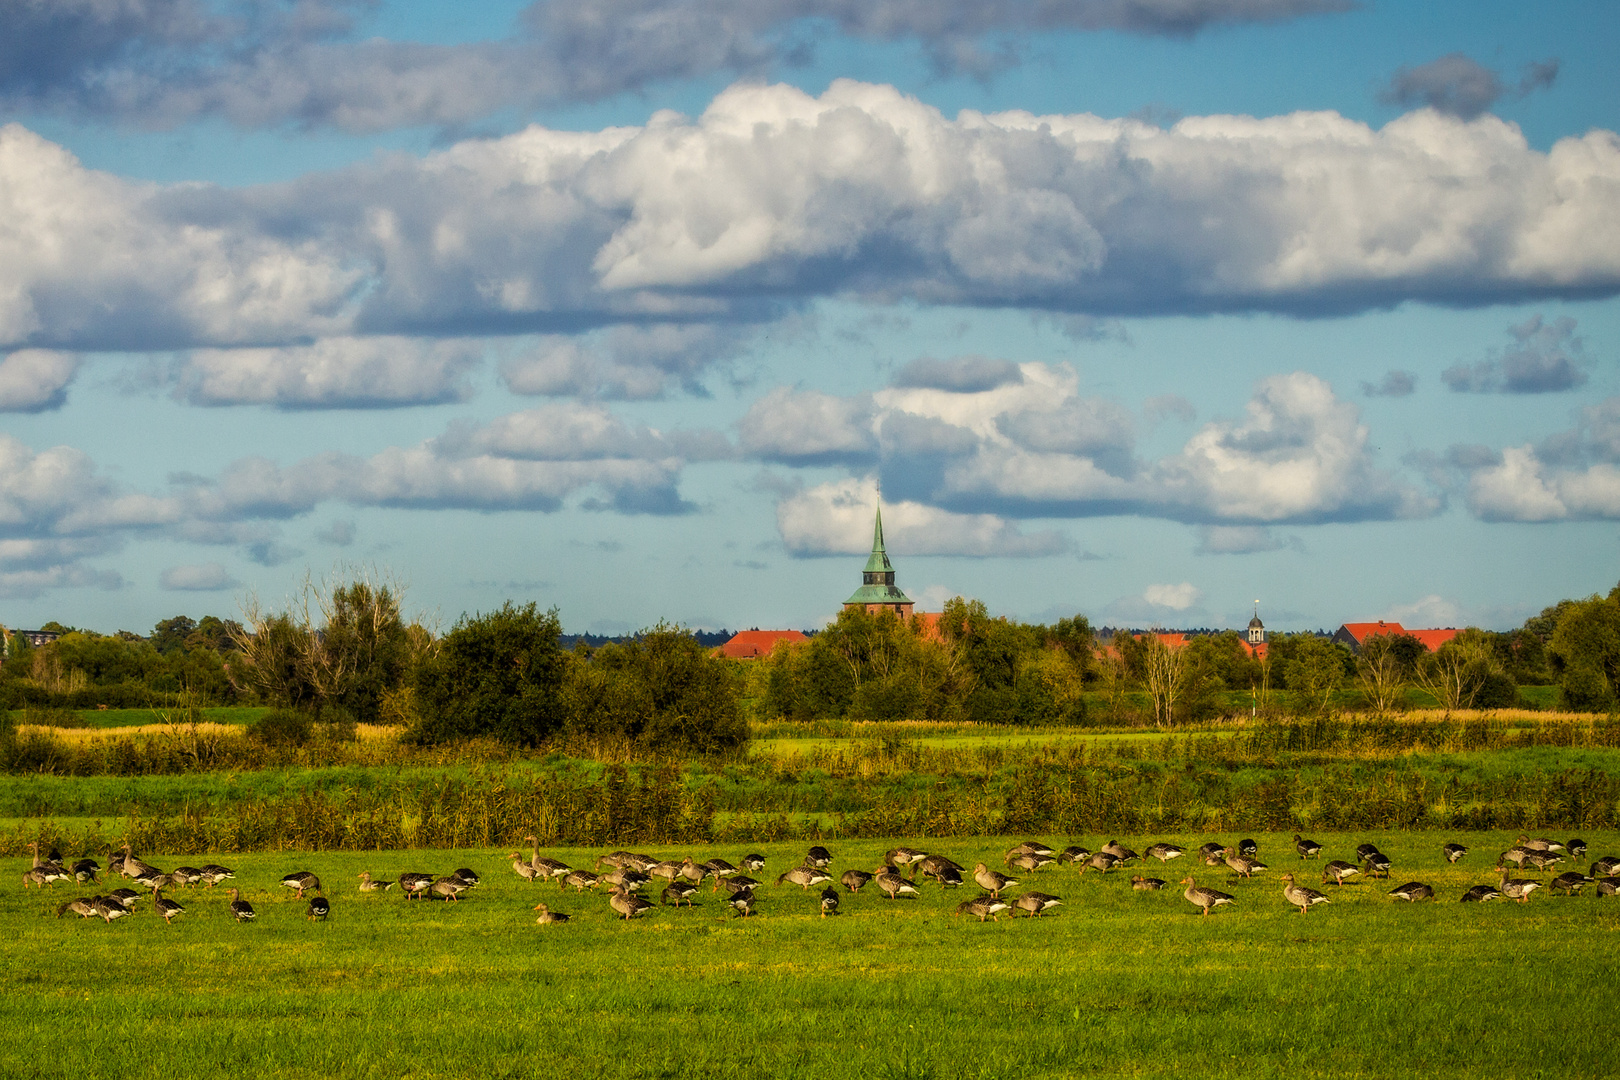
878	591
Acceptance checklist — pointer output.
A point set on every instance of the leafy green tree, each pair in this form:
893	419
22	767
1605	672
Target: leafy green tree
171	635
498	674
1381	674
1456	673
1585	653
663	689
1315	670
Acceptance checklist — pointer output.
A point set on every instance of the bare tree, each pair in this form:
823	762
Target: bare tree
1380	673
1166	675
1455	673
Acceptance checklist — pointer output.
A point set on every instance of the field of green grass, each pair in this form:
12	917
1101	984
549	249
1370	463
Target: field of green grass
1113	982
241	715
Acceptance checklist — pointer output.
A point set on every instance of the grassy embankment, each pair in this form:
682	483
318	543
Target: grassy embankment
1114	982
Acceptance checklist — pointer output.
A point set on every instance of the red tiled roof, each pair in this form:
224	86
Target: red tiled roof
1361	631
1433	639
752	644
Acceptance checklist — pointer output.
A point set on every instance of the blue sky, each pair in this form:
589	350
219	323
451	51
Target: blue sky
1144	309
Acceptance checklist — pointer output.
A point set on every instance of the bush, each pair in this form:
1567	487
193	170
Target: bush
498	674
281	727
49	716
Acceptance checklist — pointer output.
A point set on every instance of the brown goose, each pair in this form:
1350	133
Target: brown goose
905	857
1301	896
804	877
1100	861
1539	844
1205	898
1029	847
1543	860
448	887
891	882
580	880
1413	891
692	871
1569	882
84	907
1146	884
87	871
109	909
1514	855
627	879
984	907
547	916
818	857
241	910
991	881
303	881
1479	894
743	903
938	867
213	874
719	868
1576	848
949	877
1074	853
133	867
1607	866
1242	865
627	904
679	891
185	875
415	885
522	867
1338	870
667	870
1120	851
319	908
1608	886
1453	852
1030	862
1515	888
1377	864
853	880
368	885
738	883
542	866
1034	903
753	863
165	907
1165	852
1308	849
829	901
1212	853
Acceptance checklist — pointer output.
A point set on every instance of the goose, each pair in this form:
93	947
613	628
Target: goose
318	909
84	907
626	903
1100	861
1543	860
680	891
415	885
1308	849
150	878
1539	844
1031	847
368	885
1165	852
829	901
448	887
115	862
241	910
641	864
817	857
542	866
547	916
303	881
991	881
1301	896
1035	903
1413	891
468	878
1120	851
1514	855
692	871
1074	853
743	903
949	877
741	883
1030	862
624	878
1243	866
213	874
1212	853
1605	867
1453	852
853	880
719	868
910	857
109	909
889	880
1608	886
1479	894
1365	851
1576	848
1248	848
614	859
37	877
185	875
580	880
936	865
666	870
1205	898
985	907
86	871
752	863
1569	882
522	867
1146	884
1378	864
45	871
164	906
125	897
1338	870
1515	888
133	867
804	877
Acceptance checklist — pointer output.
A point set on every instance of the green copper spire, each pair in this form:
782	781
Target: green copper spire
877	580
879	562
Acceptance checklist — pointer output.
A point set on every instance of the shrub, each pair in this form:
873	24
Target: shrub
49	716
281	727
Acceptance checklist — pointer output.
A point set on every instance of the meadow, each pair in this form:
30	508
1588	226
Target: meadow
1113	982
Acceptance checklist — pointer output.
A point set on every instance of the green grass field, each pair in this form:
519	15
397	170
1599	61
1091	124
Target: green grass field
1114	982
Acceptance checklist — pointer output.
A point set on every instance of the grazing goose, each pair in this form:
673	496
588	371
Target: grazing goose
1576	848
985	907
580	880
1034	903
1479	894
522	867
1242	865
185	875
126	897
991	881
149	879
84	907
1165	852
1605	867
1543	860
1515	888
1377	864
692	871
906	857
1453	852
1413	891
85	871
642	864
679	891
741	883
1120	851
1146	884
804	877
1569	882
449	887
627	879
1338	870
1301	896
1100	861
469	878
614	859
1031	847
752	863
303	881
829	901
1308	849
940	867
1212	853
547	916
241	910
666	870
368	885
109	909
133	867
1608	886
164	906
1030	862
37	878
115	863
1515	855
1205	898
949	877
1539	844
889	880
853	880
1074	853
817	857
415	885
743	903
719	868
1365	851
626	903
1248	849
318	909
213	874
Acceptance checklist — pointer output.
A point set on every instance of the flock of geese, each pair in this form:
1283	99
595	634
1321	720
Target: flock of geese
629	875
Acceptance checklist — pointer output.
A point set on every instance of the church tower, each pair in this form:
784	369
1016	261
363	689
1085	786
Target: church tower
1257	629
878	591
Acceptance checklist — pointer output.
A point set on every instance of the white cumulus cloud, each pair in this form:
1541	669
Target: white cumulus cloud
836	519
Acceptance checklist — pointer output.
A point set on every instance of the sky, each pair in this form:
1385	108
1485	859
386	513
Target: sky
1147	310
